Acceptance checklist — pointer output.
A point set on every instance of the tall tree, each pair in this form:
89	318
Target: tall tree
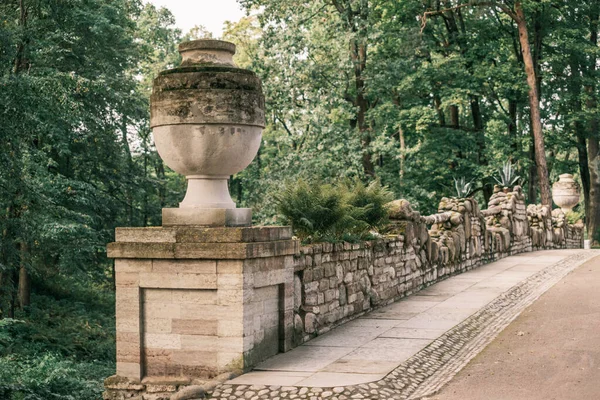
591	104
73	117
355	17
517	14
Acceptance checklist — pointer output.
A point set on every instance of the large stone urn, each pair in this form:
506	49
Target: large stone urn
565	192
207	118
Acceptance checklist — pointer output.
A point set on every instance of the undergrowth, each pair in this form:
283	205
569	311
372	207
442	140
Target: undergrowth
62	346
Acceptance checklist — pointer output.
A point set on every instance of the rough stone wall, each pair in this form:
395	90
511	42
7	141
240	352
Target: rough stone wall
193	303
334	283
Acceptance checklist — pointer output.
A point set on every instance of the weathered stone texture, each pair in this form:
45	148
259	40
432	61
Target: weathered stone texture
201	308
339	282
196	302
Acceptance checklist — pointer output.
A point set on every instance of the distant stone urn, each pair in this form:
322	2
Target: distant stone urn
207	118
565	192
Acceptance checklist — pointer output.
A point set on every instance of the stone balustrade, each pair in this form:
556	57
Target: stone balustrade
334	283
194	303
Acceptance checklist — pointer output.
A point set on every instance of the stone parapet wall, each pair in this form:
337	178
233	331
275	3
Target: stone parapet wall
196	304
334	283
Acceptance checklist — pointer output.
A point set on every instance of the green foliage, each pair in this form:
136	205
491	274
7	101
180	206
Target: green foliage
75	323
596	237
316	211
76	160
507	176
449	100
324	212
424	105
49	376
62	346
367	203
575	216
463	188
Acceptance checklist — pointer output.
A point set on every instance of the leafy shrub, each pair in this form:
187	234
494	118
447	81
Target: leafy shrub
77	324
62	346
574	216
323	212
50	377
316	211
367	203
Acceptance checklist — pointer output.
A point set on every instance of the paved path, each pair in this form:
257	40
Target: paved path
551	351
411	348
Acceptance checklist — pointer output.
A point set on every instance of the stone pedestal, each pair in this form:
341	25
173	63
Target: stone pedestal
207	217
196	302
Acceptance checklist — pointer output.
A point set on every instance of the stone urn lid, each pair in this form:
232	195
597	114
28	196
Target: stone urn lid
207	52
565	192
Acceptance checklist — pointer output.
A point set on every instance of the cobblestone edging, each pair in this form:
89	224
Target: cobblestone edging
431	368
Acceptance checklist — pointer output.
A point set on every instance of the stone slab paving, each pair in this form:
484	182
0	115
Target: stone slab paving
410	348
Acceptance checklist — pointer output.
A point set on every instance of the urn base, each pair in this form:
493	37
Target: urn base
209	217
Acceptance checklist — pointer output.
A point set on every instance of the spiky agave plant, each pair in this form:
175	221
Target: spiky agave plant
507	175
463	188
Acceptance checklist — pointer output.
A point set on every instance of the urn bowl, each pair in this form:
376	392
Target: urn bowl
565	192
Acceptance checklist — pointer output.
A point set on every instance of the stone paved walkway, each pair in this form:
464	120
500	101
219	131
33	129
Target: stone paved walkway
411	348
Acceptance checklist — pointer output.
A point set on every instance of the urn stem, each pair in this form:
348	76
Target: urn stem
207	192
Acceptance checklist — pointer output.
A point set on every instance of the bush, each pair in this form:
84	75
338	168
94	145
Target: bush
61	323
62	346
367	203
323	212
574	216
50	377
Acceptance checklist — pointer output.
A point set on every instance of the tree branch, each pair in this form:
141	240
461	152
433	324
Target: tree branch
305	20
284	126
502	7
337	5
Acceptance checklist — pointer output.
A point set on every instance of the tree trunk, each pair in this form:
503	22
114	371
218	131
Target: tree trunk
532	179
24	284
24	288
584	168
594	213
159	168
402	151
534	103
454	117
113	270
359	58
14	283
20	63
580	133
437	102
356	21
2	295
594	134
512	125
482	160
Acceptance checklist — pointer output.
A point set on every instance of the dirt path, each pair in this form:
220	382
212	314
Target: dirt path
551	351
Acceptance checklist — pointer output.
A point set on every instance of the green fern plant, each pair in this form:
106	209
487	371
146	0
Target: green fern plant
322	212
507	175
463	188
367	202
315	211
